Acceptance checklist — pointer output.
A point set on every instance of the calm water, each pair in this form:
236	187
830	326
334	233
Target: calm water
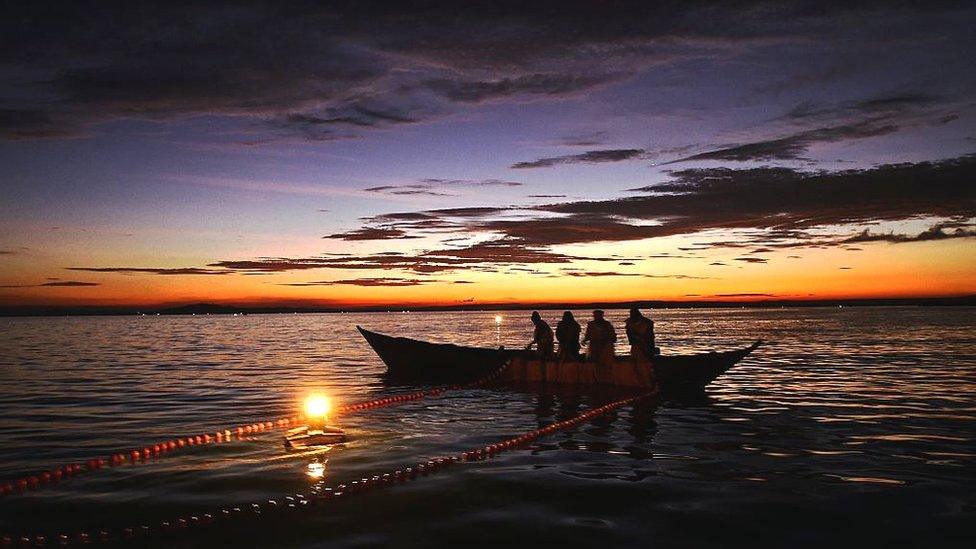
851	425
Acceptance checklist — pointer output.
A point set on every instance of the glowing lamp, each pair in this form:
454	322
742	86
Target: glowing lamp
317	406
316	433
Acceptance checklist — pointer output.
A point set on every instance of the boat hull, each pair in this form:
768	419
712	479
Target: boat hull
412	360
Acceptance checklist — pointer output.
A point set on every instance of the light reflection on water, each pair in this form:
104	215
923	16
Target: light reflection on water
865	413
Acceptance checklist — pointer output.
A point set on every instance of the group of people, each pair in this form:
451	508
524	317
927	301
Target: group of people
600	337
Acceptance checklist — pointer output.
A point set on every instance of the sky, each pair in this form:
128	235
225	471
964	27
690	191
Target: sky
273	153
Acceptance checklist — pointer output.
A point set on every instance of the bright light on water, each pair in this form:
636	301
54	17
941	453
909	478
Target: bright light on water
828	414
317	406
498	319
315	470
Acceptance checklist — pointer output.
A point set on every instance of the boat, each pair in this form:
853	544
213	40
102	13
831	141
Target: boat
412	360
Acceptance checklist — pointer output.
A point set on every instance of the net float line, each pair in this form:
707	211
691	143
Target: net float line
326	496
156	450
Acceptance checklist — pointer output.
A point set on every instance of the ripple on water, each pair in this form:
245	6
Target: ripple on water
865	413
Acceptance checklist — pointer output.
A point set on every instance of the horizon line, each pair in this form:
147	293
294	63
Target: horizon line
216	307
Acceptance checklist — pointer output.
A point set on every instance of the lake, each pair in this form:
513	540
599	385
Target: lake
849	426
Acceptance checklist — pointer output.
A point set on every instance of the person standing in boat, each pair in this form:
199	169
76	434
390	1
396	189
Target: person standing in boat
568	336
640	335
541	336
601	337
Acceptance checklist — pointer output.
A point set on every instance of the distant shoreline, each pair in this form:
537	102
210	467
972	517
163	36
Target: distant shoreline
217	309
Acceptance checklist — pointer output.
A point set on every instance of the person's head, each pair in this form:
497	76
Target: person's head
598	314
536	317
635	313
568	316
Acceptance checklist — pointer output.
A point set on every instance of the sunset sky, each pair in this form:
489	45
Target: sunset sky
288	153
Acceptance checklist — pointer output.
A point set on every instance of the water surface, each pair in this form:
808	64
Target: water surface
851	425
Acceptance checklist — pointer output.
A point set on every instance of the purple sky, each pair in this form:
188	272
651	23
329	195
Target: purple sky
162	137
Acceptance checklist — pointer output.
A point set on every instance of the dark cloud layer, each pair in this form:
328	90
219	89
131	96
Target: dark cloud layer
789	199
433	186
484	256
584	274
849	121
765	209
532	84
752	259
150	270
326	70
771	207
589	157
760	209
58	284
369	282
936	232
793	146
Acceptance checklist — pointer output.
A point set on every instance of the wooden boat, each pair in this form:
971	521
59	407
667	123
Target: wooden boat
421	361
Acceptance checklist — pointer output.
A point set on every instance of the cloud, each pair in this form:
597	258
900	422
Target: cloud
581	273
57	284
762	209
17	124
573	229
743	295
584	139
429	186
481	256
150	270
786	201
401	225
589	157
936	232
372	233
848	121
893	104
438	214
330	71
598	273
371	282
531	85
329	125
473	183
793	146
413	189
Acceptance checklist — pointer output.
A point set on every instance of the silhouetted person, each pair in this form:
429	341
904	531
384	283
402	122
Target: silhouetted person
541	336
600	335
568	335
640	335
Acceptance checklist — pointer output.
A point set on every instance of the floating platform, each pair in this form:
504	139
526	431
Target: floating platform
308	437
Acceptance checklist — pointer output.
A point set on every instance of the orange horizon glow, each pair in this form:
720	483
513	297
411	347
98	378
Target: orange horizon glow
925	270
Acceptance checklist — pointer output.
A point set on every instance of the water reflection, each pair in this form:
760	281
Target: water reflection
315	470
854	412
